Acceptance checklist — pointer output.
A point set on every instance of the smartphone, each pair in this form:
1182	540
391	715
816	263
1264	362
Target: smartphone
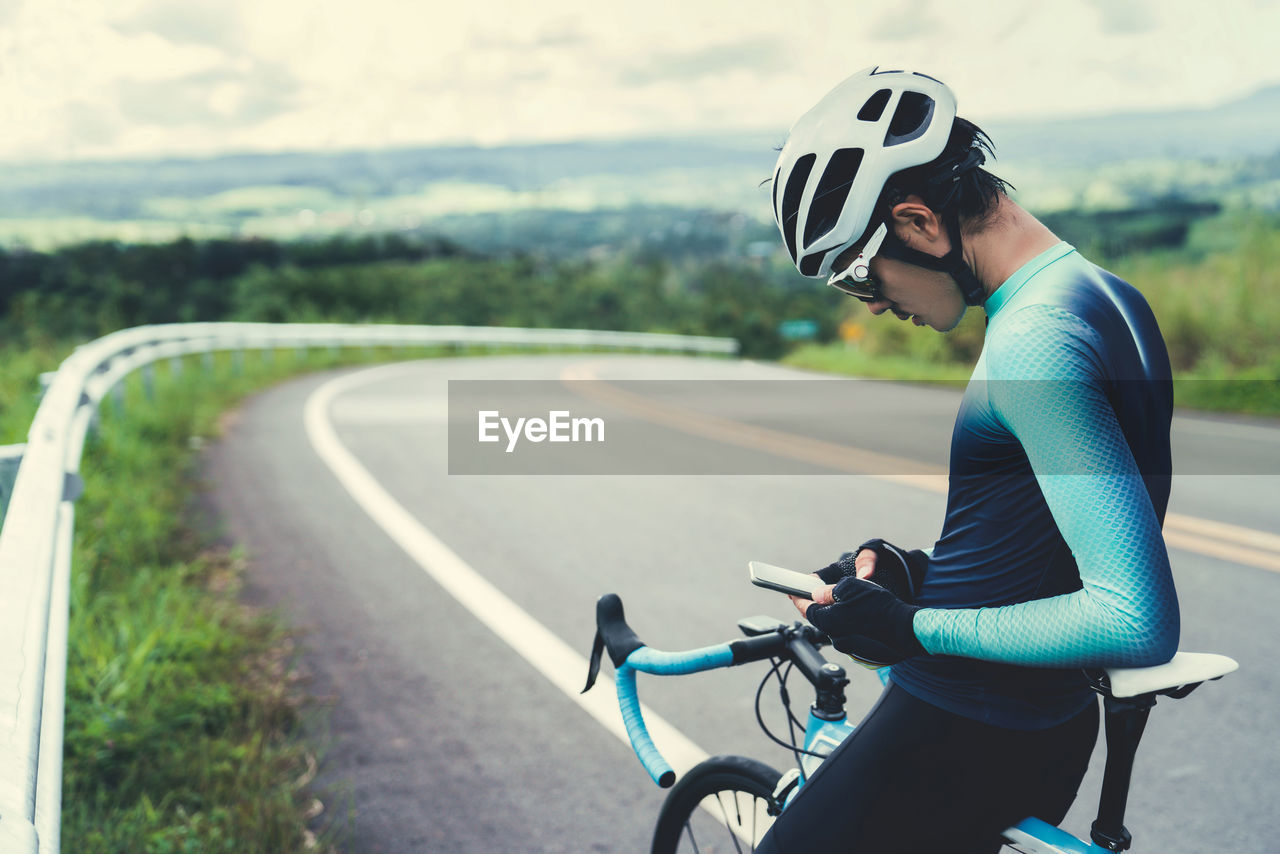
784	580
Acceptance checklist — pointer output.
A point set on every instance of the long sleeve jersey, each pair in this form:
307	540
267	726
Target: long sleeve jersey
1051	557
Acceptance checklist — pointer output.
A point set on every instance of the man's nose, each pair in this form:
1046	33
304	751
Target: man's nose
879	306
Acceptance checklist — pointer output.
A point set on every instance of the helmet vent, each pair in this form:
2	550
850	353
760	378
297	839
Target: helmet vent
833	189
874	108
911	119
811	264
791	198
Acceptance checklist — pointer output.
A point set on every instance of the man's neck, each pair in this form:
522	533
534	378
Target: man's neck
1011	238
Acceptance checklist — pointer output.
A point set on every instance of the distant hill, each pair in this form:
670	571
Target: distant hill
273	193
1246	127
117	187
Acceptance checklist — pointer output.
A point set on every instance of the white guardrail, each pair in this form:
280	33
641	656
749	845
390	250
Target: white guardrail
35	540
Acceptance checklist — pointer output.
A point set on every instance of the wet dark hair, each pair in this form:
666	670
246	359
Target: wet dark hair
972	195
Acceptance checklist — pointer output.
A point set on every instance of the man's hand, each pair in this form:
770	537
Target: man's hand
864	565
821	596
869	614
865	621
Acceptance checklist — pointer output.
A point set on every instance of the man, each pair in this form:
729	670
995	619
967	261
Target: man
1051	557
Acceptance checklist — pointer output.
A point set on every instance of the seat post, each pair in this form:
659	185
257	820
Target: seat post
1125	720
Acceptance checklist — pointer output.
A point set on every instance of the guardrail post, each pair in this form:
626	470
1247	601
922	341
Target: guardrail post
237	361
175	367
149	380
206	358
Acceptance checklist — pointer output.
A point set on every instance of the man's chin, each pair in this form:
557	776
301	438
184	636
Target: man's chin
954	323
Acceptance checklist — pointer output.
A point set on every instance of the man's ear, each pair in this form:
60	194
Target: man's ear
917	225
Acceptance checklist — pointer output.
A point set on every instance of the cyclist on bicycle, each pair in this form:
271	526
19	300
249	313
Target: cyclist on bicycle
1051	557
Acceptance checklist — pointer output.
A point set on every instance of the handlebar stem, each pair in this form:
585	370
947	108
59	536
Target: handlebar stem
828	679
829	705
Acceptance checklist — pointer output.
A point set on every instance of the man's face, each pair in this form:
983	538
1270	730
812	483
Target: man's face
925	297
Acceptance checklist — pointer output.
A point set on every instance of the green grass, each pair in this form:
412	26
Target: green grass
1253	391
19	395
20	368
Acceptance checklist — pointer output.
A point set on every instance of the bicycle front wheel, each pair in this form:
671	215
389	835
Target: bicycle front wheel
722	805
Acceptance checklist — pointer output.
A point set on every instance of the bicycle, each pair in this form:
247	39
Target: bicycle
745	795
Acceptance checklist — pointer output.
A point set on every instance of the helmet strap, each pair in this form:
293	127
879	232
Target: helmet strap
952	263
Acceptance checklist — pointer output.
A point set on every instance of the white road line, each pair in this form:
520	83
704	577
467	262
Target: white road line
391	411
549	655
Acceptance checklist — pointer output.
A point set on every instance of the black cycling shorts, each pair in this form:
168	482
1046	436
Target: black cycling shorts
913	778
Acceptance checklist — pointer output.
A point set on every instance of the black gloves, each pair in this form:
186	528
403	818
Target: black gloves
872	620
868	622
901	572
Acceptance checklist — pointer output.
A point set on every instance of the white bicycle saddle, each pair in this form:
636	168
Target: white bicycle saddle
1186	668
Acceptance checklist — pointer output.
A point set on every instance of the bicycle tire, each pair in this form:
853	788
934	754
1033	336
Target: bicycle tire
742	790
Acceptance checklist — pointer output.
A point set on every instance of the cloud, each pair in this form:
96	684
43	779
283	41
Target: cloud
756	55
186	22
1124	19
556	34
184	75
907	21
566	35
218	99
91	125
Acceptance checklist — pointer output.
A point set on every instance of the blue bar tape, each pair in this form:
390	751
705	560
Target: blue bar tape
659	769
648	660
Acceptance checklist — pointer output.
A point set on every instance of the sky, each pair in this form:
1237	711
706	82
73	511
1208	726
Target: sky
105	79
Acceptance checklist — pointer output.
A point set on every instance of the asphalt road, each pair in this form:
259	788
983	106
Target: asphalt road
457	732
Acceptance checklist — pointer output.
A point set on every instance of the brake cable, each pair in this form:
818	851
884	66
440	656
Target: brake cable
791	718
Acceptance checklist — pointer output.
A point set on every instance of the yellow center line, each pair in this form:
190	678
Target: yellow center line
1224	531
1219	540
1180	539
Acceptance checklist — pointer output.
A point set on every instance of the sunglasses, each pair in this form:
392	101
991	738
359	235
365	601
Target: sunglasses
855	280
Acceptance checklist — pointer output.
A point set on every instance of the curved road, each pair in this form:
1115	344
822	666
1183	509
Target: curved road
455	731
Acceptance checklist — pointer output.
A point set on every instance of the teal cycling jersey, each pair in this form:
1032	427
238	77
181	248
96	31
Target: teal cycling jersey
1051	557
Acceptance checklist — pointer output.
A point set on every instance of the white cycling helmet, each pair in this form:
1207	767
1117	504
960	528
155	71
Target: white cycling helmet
839	155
